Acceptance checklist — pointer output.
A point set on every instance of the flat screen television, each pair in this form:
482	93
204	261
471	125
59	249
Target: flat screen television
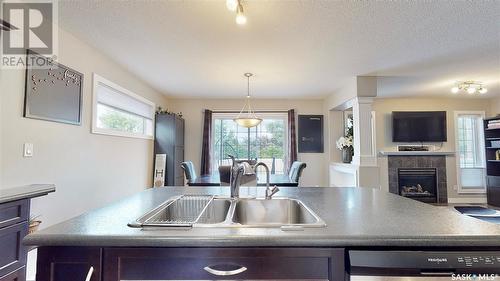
419	126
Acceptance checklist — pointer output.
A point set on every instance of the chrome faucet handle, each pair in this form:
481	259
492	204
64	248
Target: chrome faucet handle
270	191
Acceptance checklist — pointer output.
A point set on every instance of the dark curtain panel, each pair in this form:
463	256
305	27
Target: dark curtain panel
292	139
205	146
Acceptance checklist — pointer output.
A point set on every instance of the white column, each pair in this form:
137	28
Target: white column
364	134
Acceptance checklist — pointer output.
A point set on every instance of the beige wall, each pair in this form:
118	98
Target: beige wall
192	109
383	109
89	170
495	106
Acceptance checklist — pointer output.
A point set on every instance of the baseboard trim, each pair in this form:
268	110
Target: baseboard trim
465	200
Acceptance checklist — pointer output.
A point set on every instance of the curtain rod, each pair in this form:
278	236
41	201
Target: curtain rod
256	111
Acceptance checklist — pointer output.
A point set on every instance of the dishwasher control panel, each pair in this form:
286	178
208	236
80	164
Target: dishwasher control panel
425	261
479	260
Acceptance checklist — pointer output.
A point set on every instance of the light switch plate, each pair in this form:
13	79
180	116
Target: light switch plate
28	149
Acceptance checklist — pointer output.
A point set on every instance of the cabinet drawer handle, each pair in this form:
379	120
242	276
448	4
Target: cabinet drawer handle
89	274
224	272
430	273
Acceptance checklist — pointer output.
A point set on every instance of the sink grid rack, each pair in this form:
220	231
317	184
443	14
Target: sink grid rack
182	211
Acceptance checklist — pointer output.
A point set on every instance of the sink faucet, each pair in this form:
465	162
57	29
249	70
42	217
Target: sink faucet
270	191
238	170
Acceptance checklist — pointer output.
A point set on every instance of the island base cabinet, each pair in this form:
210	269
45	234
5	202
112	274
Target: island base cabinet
223	264
18	275
68	264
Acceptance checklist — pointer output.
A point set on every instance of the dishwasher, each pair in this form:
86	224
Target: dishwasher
366	265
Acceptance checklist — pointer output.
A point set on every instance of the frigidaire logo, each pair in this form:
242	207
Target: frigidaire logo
32	24
437	260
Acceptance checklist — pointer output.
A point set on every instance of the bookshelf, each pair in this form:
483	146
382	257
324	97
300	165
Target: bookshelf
492	145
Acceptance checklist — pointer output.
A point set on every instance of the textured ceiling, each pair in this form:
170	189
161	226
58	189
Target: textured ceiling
295	48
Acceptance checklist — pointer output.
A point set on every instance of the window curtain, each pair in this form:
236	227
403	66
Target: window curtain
292	139
205	145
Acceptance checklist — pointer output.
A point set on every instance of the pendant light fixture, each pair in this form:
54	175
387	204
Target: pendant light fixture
247	117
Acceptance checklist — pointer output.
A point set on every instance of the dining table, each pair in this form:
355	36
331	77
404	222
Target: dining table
214	180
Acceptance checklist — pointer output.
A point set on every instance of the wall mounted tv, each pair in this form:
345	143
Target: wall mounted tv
419	126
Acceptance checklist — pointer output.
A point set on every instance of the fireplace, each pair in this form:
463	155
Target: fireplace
418	183
437	163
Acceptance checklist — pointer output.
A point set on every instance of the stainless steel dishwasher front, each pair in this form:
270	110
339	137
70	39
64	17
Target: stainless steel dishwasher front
417	265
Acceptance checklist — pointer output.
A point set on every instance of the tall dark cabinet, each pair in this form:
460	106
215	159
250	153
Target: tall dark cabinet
169	140
492	137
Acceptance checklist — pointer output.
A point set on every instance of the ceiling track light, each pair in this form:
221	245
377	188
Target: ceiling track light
470	87
237	6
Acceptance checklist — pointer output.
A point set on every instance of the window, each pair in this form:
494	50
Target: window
117	111
470	151
266	142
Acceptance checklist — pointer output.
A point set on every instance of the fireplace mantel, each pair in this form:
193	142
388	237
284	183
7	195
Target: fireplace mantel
417	153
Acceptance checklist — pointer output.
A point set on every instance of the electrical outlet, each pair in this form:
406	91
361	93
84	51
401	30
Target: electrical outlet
28	149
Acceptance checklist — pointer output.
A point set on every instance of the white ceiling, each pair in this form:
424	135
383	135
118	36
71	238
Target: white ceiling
295	48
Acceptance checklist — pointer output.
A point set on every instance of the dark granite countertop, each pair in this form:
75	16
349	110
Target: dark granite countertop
27	191
354	217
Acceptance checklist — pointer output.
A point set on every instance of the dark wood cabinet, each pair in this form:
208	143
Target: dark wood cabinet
18	275
492	138
223	264
69	264
13	228
169	140
114	264
14	212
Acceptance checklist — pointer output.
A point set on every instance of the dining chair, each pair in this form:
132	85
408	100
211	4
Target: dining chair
296	171
189	170
224	175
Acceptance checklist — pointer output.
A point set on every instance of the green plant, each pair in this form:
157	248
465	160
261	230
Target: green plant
160	110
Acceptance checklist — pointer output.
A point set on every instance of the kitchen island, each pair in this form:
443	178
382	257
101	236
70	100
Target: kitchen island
101	246
15	222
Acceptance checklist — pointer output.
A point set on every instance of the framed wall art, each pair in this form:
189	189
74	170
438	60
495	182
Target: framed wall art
310	134
53	93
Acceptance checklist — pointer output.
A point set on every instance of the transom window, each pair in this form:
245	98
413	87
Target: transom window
470	151
118	111
267	142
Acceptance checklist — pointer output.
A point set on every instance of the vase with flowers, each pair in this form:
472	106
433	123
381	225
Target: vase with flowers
345	143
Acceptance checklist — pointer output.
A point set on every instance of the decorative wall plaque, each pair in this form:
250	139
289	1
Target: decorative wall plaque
310	134
53	94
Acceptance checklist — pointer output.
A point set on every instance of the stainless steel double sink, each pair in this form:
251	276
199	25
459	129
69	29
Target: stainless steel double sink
212	211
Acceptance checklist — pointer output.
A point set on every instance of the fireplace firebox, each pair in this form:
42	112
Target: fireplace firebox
419	184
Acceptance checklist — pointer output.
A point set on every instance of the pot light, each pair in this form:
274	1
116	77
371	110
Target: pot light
470	87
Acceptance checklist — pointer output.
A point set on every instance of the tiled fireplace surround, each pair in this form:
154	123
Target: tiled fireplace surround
438	162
